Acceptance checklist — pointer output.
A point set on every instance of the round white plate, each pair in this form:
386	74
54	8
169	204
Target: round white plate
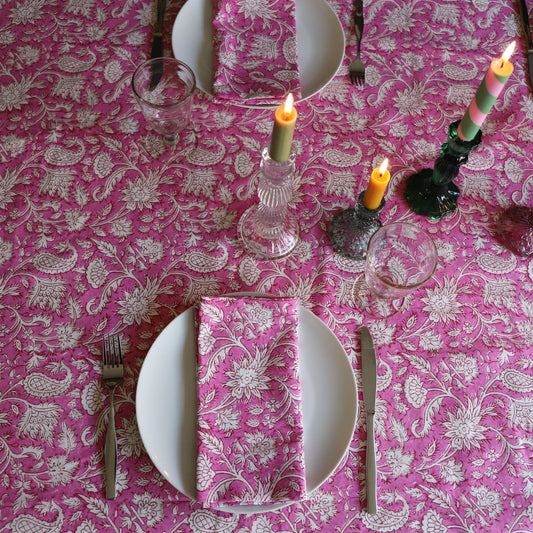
166	403
319	37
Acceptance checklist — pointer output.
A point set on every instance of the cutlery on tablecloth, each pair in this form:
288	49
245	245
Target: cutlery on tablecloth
157	45
527	30
368	357
113	374
357	68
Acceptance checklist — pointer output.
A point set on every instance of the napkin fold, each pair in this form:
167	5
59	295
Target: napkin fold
250	431
255	57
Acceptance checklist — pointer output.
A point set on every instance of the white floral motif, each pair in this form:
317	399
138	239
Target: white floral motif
247	378
488	500
258	316
86	527
13	144
14	95
68	335
129	439
415	391
149	507
142	193
464	426
228	420
452	472
152	249
140	305
262	446
92	397
432	523
6	251
97	272
39	421
249	271
442	302
205	472
27	12
466	365
61	470
322	503
399	461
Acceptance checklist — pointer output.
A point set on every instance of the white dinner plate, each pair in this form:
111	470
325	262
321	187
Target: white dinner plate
166	403
319	37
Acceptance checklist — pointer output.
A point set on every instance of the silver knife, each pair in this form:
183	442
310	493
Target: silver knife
527	30
368	357
157	45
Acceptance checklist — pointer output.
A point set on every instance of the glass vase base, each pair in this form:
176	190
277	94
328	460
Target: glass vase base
348	236
429	199
268	241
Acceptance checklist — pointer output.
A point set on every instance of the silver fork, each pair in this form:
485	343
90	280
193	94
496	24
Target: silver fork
357	68
113	374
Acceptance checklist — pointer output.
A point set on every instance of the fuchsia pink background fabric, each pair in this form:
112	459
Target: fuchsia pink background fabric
250	431
255	55
104	229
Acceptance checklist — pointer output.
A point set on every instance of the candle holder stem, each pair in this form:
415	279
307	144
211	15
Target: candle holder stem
351	229
431	192
268	229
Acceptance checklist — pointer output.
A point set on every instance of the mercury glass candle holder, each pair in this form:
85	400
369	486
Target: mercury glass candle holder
269	229
432	192
351	230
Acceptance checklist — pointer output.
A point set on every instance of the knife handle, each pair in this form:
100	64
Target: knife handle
161	6
371	473
359	21
525	22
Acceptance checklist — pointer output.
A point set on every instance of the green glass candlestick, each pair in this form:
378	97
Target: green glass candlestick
432	192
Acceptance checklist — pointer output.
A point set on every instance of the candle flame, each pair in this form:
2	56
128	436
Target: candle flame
508	52
287	110
383	166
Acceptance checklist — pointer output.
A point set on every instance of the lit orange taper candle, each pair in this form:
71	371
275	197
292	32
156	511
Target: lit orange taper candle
376	186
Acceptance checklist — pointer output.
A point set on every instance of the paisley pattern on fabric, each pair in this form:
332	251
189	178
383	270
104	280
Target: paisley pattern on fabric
250	429
255	56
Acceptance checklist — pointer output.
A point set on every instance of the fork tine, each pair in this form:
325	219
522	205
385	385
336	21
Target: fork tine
106	350
112	351
118	351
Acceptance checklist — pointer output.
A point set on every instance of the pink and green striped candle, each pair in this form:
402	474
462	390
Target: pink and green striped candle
486	95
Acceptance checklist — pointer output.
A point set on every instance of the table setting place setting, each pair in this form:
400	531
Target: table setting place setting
266	266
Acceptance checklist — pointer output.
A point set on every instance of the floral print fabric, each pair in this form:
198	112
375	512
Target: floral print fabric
255	50
250	431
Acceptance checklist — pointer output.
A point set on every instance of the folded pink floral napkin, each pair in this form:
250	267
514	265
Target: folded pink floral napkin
254	51
250	432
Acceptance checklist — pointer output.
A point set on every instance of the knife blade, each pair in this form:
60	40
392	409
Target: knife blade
527	31
369	373
157	45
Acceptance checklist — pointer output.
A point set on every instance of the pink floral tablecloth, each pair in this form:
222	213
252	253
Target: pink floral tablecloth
104	229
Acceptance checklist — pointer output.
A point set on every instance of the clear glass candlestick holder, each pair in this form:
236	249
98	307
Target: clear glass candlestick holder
351	230
269	229
432	192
